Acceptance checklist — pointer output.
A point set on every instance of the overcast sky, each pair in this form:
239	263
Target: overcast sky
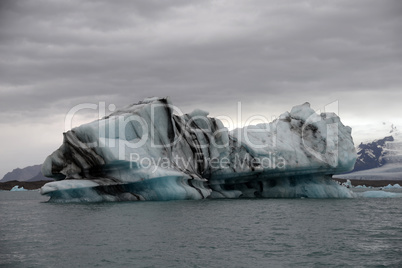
268	55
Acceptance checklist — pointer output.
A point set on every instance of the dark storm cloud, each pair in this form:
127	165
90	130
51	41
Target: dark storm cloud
56	53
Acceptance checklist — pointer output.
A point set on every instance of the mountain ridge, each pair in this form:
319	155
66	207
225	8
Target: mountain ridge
29	173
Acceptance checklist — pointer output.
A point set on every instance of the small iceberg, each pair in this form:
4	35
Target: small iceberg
379	194
347	184
395	186
361	186
18	189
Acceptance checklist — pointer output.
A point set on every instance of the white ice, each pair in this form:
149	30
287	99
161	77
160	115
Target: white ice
395	186
379	194
18	189
147	152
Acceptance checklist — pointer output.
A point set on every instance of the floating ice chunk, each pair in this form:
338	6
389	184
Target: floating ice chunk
361	186
145	151
395	186
17	189
379	194
347	184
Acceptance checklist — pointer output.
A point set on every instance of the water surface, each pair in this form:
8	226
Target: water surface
361	232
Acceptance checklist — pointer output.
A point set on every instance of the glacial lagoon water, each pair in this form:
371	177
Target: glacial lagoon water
360	232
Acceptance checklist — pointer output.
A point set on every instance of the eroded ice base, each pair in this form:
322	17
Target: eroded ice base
176	188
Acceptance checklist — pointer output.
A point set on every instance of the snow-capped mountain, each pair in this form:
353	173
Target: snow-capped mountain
379	160
380	152
372	155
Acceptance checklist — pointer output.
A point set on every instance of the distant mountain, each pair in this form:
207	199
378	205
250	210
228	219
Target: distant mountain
373	154
378	160
31	173
380	152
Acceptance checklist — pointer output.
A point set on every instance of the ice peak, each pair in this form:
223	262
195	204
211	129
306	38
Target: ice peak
302	111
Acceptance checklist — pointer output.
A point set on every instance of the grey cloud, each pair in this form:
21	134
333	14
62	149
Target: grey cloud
59	52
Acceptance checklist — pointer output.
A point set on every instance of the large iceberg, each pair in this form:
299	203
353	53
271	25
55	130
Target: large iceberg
146	151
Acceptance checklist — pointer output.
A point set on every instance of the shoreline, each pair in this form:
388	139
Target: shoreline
373	183
28	185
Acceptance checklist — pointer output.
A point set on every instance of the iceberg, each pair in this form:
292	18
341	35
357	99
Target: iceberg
17	189
379	194
347	184
390	186
148	151
361	186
